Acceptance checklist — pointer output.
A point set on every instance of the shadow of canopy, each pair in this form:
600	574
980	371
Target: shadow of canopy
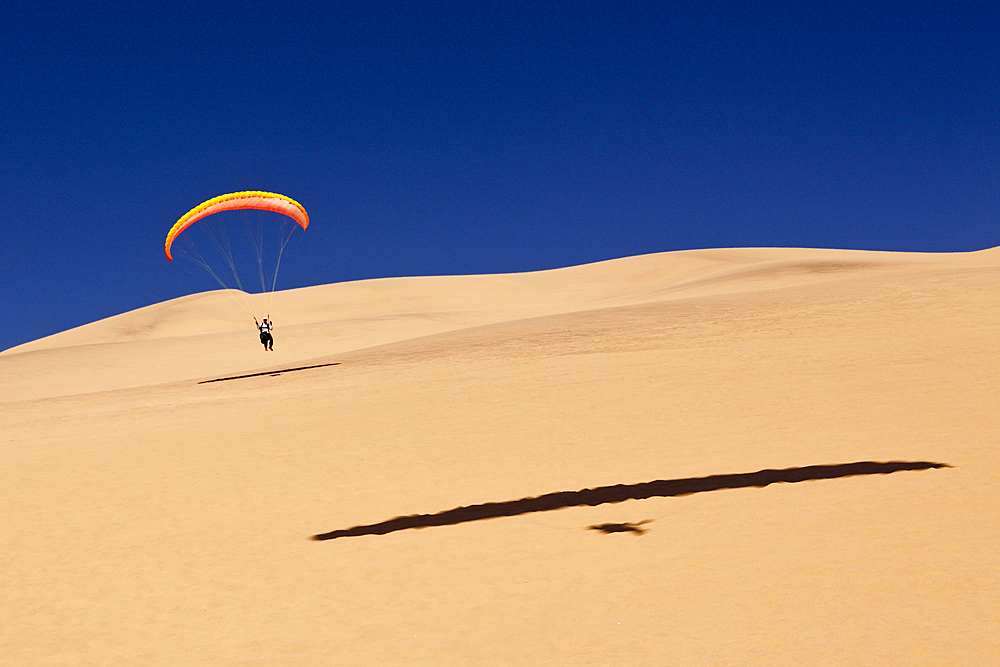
661	488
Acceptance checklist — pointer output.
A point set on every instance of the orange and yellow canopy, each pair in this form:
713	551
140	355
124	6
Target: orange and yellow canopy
262	201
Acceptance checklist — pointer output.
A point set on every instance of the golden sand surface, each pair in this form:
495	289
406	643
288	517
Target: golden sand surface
684	458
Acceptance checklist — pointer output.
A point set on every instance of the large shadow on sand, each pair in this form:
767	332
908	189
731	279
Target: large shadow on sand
661	488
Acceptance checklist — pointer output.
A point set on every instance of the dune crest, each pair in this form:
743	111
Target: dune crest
209	334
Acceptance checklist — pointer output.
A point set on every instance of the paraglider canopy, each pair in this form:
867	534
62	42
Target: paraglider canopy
262	201
261	248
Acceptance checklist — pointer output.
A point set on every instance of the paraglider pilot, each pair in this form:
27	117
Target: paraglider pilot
265	334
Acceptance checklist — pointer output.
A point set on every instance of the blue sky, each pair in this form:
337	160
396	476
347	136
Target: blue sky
479	137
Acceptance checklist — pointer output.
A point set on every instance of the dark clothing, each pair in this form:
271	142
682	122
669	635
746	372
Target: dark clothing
265	334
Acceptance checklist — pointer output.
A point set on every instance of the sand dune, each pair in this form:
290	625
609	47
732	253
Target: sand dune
738	456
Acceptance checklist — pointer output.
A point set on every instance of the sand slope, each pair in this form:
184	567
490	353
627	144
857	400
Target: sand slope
153	518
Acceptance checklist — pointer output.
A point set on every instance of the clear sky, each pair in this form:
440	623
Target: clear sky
480	137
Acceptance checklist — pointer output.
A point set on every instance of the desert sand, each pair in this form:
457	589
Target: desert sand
712	457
